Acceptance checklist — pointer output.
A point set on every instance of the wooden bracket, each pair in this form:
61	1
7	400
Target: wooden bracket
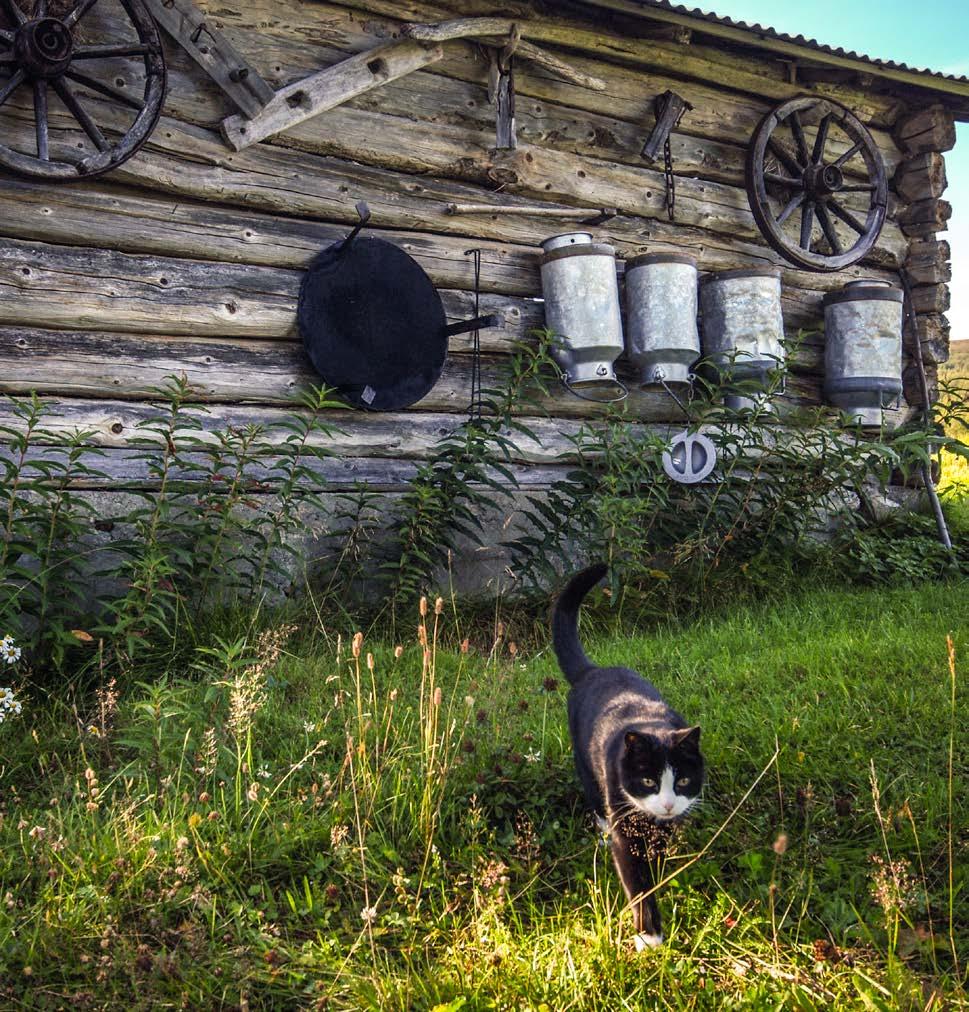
670	107
501	90
495	32
213	52
329	88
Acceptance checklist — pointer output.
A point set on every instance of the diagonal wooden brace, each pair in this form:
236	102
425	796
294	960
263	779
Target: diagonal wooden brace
329	88
213	52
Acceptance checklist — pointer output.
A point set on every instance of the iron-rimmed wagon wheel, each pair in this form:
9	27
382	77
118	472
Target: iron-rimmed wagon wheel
811	177
42	52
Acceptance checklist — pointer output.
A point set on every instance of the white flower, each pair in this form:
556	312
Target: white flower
533	756
264	773
7	641
16	707
368	915
10	653
309	727
6	696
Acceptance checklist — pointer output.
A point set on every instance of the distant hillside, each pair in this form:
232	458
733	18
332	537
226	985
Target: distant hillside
958	364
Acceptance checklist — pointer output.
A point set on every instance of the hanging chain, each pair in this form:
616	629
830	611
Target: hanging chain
476	407
668	157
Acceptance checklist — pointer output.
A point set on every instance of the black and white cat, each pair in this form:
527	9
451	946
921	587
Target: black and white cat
639	763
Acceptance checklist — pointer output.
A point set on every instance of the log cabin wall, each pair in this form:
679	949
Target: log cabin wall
188	259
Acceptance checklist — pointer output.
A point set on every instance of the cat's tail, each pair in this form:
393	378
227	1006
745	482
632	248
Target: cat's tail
565	623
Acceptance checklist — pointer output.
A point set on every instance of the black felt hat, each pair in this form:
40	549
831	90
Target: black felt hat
373	324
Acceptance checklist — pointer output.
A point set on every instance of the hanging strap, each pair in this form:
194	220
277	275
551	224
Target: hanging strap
622	395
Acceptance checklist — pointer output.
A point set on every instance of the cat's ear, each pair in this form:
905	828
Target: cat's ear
688	737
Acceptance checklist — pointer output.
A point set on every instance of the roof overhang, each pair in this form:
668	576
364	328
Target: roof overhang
953	90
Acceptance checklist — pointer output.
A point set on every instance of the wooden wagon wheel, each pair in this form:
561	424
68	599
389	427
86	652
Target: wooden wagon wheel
42	52
811	178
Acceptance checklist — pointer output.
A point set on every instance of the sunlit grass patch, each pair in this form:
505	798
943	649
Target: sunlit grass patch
310	820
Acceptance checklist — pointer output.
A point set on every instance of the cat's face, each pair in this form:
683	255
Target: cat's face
662	777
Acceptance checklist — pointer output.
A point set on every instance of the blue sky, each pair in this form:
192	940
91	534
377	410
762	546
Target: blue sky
931	33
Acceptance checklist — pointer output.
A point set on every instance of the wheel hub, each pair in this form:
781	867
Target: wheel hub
823	180
44	47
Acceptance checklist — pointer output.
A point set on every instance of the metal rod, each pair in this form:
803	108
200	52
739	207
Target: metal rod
548	212
926	413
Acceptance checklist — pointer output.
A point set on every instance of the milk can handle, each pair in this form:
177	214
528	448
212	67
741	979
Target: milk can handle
624	393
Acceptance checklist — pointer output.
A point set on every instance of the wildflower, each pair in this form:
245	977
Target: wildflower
465	645
779	846
438	696
469	701
357	644
438	605
264	773
370	662
423	607
533	756
253	793
308	726
339	835
8	651
368	915
550	684
398	652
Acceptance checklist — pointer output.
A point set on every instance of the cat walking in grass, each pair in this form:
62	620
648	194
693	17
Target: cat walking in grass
637	759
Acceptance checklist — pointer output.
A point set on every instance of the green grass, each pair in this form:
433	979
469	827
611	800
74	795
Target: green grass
441	794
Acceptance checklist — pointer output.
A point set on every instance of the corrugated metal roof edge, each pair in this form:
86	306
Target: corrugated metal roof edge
769	38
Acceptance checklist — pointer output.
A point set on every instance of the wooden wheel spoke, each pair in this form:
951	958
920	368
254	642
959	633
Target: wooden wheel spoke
807	225
785	157
78	111
799	139
776	177
790	207
817	155
80	9
11	86
106	89
848	155
827	227
857	188
846	216
6	36
40	9
14	11
40	119
105	52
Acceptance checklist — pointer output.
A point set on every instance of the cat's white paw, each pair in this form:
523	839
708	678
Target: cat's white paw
644	941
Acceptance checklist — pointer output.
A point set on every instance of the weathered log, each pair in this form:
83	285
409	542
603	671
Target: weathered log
410	435
933	332
136	222
930	298
116	469
925	130
927	262
329	88
912	384
925	218
921	178
104	290
130	366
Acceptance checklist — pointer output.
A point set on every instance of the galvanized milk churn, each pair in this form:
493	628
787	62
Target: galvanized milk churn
661	304
863	349
581	295
743	324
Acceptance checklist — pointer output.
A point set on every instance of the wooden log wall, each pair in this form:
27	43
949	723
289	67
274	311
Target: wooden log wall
189	257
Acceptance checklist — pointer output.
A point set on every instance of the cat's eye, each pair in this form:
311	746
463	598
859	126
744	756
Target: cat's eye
648	783
682	782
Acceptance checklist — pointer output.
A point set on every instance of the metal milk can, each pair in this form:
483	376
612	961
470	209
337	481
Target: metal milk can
743	324
581	293
661	306
863	349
